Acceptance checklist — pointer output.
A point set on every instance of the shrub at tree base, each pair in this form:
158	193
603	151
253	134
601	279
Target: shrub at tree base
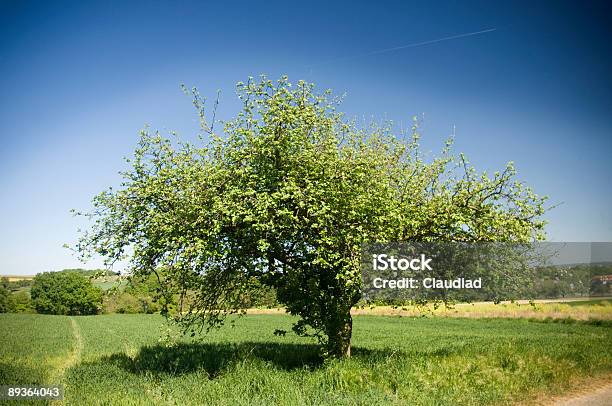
67	293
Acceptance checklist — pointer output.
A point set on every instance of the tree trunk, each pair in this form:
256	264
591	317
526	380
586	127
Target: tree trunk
339	344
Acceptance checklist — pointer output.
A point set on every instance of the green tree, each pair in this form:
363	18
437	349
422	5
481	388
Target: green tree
66	293
287	194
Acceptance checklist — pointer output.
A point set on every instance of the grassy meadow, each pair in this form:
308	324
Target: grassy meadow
136	360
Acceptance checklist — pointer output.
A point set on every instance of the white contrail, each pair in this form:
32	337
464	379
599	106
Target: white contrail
416	44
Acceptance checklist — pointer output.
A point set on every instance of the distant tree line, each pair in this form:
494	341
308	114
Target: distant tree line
77	291
93	291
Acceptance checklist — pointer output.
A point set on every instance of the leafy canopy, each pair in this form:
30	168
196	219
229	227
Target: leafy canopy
287	194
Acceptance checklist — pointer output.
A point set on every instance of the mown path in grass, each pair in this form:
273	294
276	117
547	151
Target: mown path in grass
73	358
396	361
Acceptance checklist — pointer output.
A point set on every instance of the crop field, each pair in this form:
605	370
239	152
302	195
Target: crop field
571	309
136	360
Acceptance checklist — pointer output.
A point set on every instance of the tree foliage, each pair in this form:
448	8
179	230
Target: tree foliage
67	293
287	194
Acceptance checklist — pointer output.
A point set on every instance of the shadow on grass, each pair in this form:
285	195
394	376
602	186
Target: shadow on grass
186	358
213	358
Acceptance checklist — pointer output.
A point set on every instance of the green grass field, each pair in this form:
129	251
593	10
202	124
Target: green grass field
119	359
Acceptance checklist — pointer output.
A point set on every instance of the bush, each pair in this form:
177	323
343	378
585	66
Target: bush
5	301
21	302
126	302
259	295
67	293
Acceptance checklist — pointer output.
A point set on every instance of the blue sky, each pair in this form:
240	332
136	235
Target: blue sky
80	79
